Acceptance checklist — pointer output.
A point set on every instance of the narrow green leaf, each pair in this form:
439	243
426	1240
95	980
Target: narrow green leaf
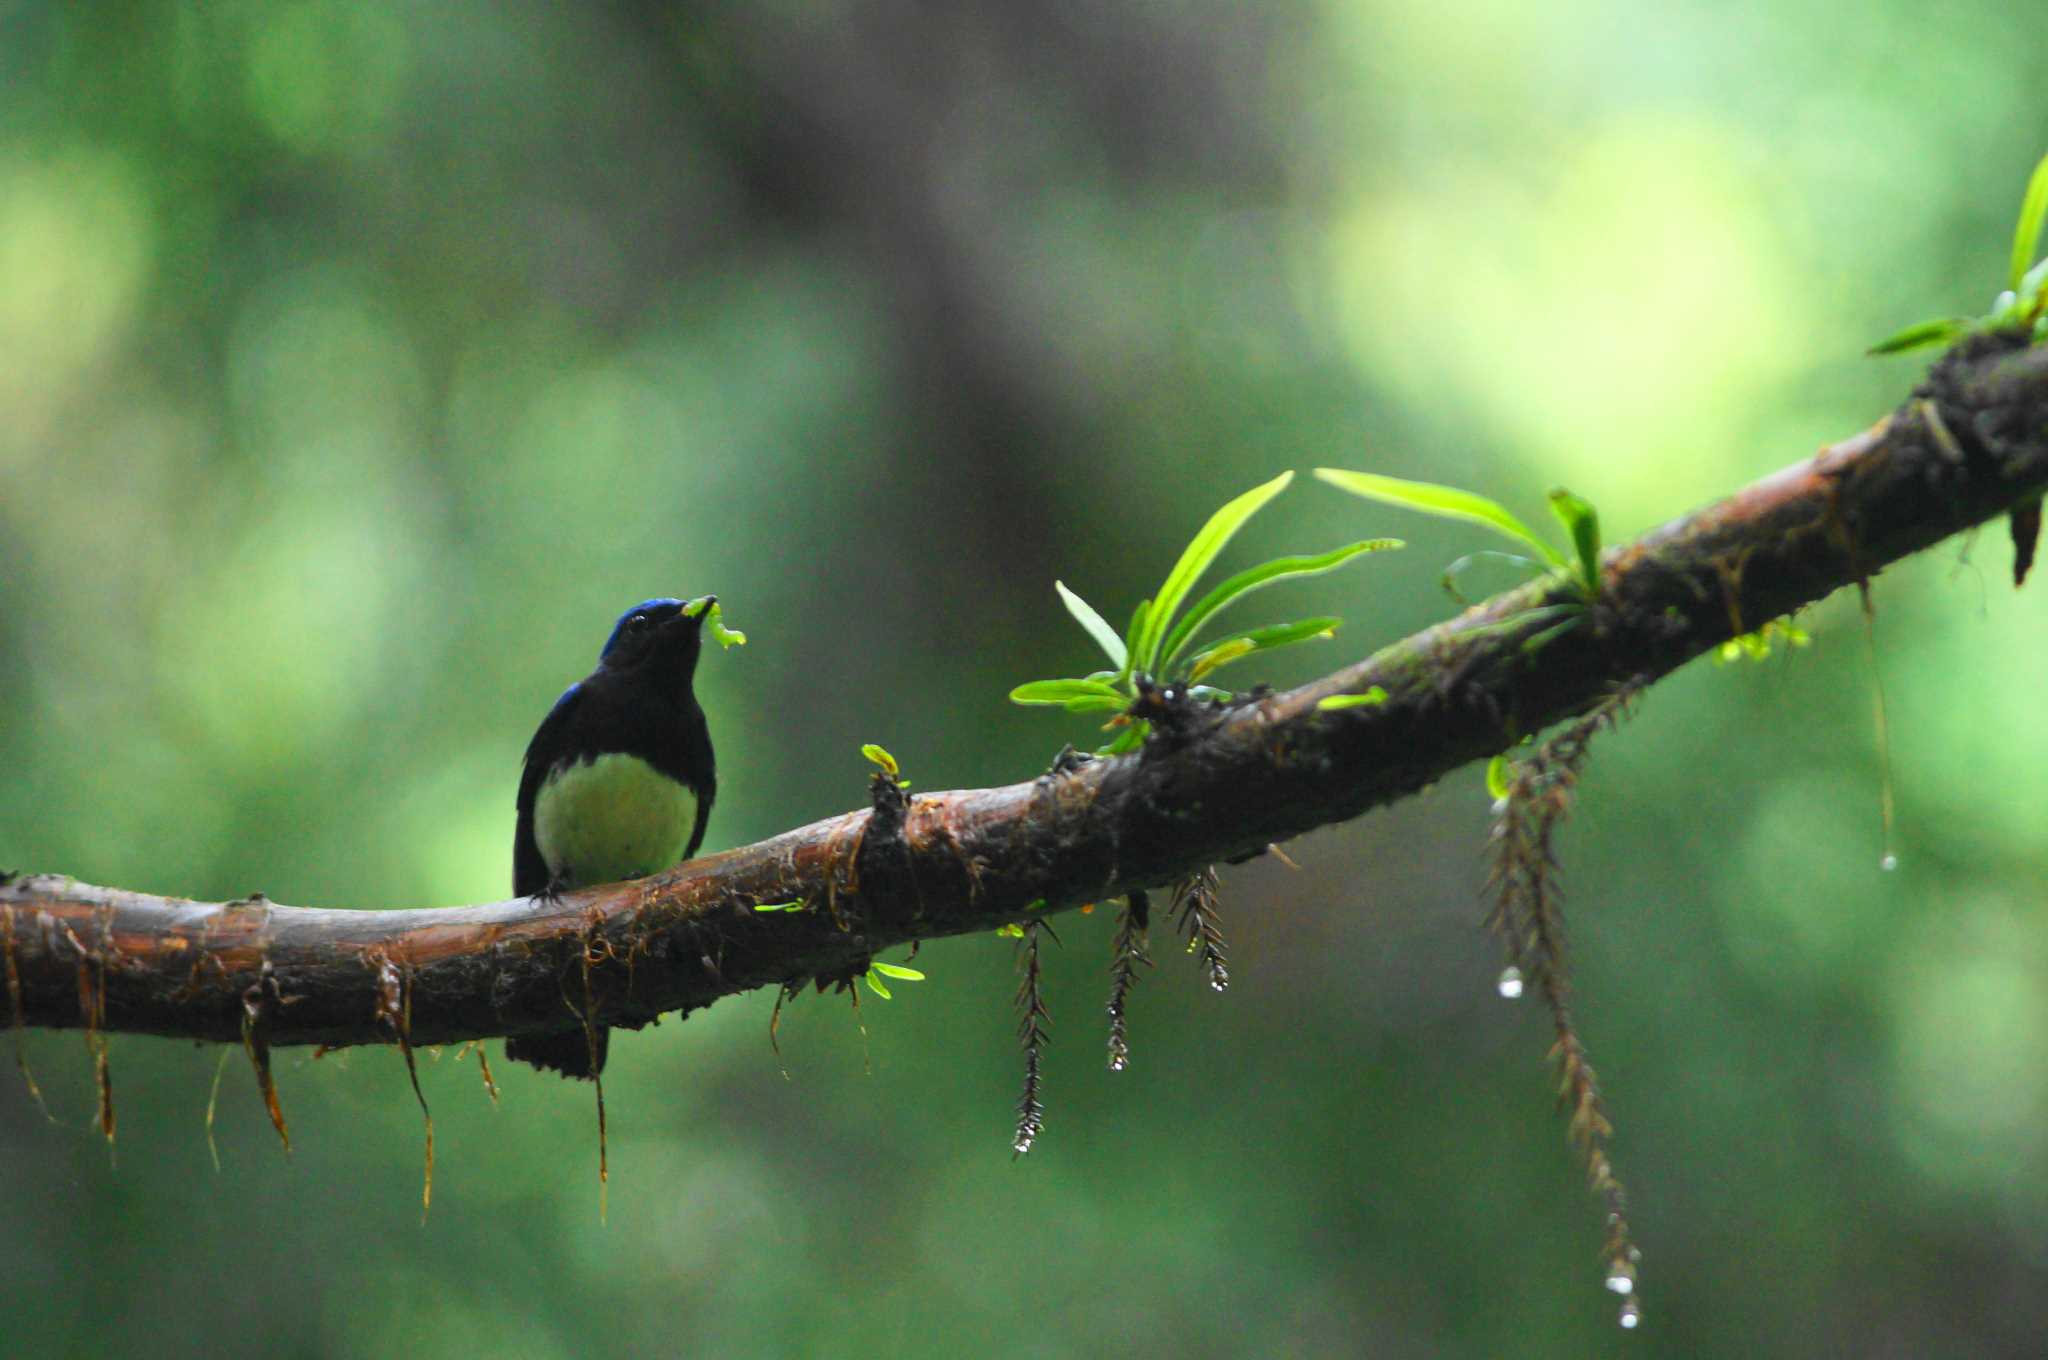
880	757
1582	522
778	906
1471	559
1138	618
1446	502
1240	645
1231	649
2026	233
1090	693
1200	552
1257	578
1539	641
876	984
1094	624
1129	739
1375	695
1920	335
897	970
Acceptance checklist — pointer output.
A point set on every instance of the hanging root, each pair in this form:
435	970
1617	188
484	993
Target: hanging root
92	1008
1195	898
394	1009
213	1102
788	991
1032	1034
259	1005
1528	915
604	1170
483	1067
16	1012
1128	953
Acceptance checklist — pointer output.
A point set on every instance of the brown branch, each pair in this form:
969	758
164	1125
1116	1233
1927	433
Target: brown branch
1971	444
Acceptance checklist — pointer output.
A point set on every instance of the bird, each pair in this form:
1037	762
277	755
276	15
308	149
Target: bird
618	783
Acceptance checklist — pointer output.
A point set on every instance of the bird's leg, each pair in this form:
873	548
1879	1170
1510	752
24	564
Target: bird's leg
551	892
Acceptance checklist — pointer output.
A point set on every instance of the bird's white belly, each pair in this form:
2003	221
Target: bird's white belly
614	817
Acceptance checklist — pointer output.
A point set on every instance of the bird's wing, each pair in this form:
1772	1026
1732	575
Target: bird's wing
529	870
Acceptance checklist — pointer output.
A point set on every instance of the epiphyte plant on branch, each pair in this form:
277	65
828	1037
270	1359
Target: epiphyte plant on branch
1157	649
1154	682
2023	309
1579	567
1531	797
2023	305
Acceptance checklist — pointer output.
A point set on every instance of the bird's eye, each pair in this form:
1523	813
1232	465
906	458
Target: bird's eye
637	622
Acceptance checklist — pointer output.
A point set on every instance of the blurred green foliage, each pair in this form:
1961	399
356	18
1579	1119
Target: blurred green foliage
359	361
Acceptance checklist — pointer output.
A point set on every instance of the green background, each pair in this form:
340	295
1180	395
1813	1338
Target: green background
360	361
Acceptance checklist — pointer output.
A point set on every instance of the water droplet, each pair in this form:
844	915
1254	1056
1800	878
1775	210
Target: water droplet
1118	1063
1510	983
1889	862
1631	1314
1621	1279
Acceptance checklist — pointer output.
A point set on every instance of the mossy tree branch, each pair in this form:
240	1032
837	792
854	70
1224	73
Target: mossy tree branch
1971	444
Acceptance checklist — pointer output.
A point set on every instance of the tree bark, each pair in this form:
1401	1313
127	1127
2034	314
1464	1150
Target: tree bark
1218	784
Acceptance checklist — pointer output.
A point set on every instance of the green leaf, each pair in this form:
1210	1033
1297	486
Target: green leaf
1012	931
1222	654
1077	696
1921	334
1375	695
2026	233
1465	563
876	985
1446	502
897	970
779	906
1095	625
1138	617
881	758
1240	645
1265	574
1200	552
1497	776
1537	642
1582	522
1129	739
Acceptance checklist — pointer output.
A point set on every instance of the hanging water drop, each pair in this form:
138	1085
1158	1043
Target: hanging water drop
1631	1314
1621	1278
1889	862
1510	983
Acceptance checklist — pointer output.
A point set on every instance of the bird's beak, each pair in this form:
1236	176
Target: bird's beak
699	609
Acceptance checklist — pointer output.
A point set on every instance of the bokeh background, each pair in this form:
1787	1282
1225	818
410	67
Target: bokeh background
359	361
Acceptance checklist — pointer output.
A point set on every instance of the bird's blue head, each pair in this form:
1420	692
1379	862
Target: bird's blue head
663	628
